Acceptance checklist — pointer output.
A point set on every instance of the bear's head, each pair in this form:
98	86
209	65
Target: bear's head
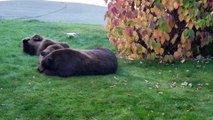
53	47
30	45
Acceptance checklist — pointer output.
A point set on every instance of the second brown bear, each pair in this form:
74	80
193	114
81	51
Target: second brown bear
70	62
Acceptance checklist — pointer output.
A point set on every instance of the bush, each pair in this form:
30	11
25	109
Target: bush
165	29
207	50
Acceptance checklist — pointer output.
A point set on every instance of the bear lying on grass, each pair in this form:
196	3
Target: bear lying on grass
70	62
36	44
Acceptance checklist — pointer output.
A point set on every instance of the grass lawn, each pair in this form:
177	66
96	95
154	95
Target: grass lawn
139	89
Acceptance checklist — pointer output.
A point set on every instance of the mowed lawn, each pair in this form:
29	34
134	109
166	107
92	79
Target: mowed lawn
139	90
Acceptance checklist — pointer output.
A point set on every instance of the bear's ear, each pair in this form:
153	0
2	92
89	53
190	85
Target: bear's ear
43	53
37	38
65	45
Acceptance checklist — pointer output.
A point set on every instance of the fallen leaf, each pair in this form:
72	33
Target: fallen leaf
190	84
116	78
199	86
173	85
112	86
182	61
157	85
184	84
124	81
146	81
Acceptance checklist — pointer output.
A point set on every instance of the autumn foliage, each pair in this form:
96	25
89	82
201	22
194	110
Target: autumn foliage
163	29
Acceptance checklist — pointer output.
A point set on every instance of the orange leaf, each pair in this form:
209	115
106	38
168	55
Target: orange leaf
157	50
174	39
181	17
167	36
188	45
161	51
163	39
190	25
176	5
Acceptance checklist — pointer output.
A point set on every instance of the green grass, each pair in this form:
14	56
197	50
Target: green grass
139	90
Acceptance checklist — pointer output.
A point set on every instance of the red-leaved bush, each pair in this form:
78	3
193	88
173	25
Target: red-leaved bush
164	29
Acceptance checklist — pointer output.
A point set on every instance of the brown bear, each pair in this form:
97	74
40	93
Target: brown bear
70	62
50	49
36	44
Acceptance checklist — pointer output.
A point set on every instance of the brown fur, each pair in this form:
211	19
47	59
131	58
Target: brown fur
70	62
52	48
36	44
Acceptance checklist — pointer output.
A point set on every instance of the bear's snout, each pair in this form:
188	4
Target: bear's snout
25	41
40	68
